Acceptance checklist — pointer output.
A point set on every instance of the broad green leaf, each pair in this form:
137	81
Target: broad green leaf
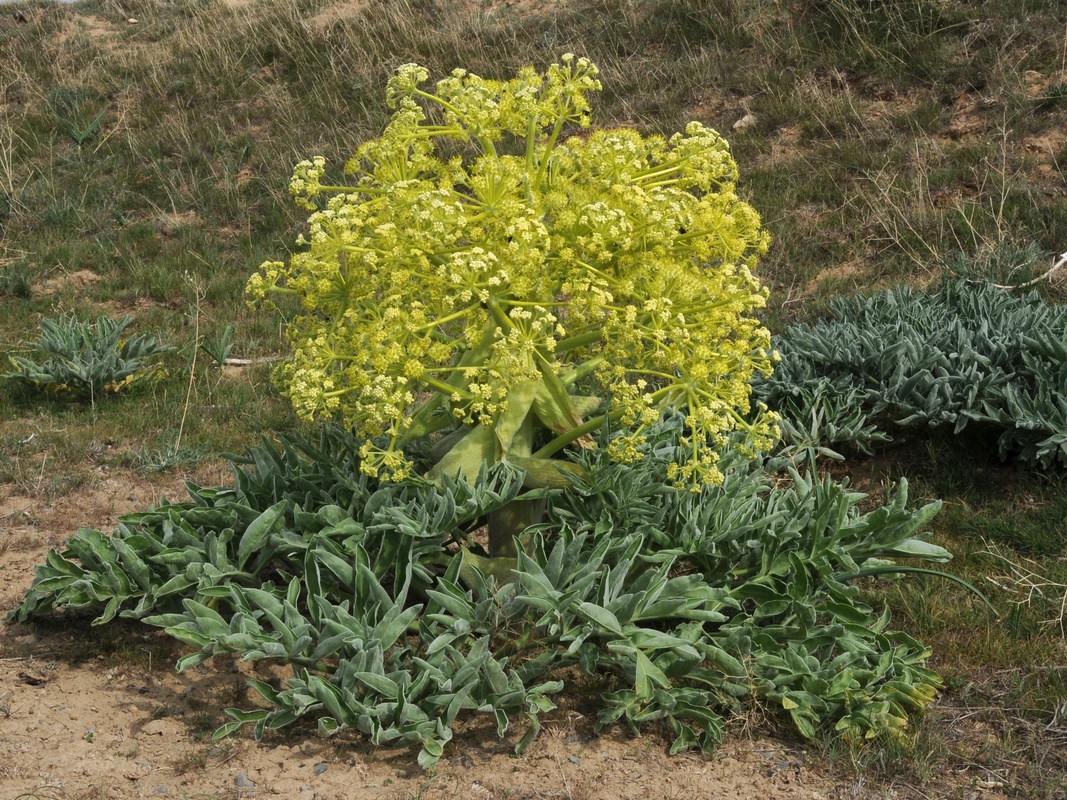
803	723
175	585
511	423
600	616
330	697
378	683
209	621
192	660
431	753
265	690
341	568
225	730
393	627
245	717
467	457
498	681
501	720
501	569
110	610
548	473
279	719
724	661
255	535
649	676
133	564
917	548
557	410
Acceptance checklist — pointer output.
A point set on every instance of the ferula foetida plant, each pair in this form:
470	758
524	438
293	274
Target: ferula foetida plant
479	270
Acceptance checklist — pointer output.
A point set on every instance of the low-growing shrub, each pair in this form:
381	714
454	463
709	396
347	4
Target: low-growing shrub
969	354
86	361
689	605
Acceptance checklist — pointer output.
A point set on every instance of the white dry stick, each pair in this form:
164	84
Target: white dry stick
198	290
1059	263
245	362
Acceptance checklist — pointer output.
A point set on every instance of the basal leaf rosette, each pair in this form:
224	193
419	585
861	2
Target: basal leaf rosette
529	289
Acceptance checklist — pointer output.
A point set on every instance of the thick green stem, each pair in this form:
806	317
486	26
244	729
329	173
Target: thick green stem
574	434
507	523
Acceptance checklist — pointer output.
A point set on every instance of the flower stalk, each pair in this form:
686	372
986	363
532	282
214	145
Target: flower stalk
477	293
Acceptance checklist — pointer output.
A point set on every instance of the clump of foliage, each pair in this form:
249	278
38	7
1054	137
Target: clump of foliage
14	283
77	111
481	270
684	605
553	338
220	347
1003	262
86	361
970	354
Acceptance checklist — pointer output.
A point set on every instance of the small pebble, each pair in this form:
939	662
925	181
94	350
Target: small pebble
573	759
243	782
321	768
745	122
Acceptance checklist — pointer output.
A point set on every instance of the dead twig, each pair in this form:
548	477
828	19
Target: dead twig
16	511
24	658
246	362
1030	586
1059	263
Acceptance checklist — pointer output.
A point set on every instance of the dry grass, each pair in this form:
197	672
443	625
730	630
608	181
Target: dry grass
1028	581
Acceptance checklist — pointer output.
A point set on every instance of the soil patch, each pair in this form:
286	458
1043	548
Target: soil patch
78	279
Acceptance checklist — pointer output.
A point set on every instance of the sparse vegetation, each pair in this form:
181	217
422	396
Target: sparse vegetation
15	283
168	456
75	112
888	143
220	346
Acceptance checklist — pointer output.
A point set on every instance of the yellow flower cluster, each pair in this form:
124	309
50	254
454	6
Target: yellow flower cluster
432	284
